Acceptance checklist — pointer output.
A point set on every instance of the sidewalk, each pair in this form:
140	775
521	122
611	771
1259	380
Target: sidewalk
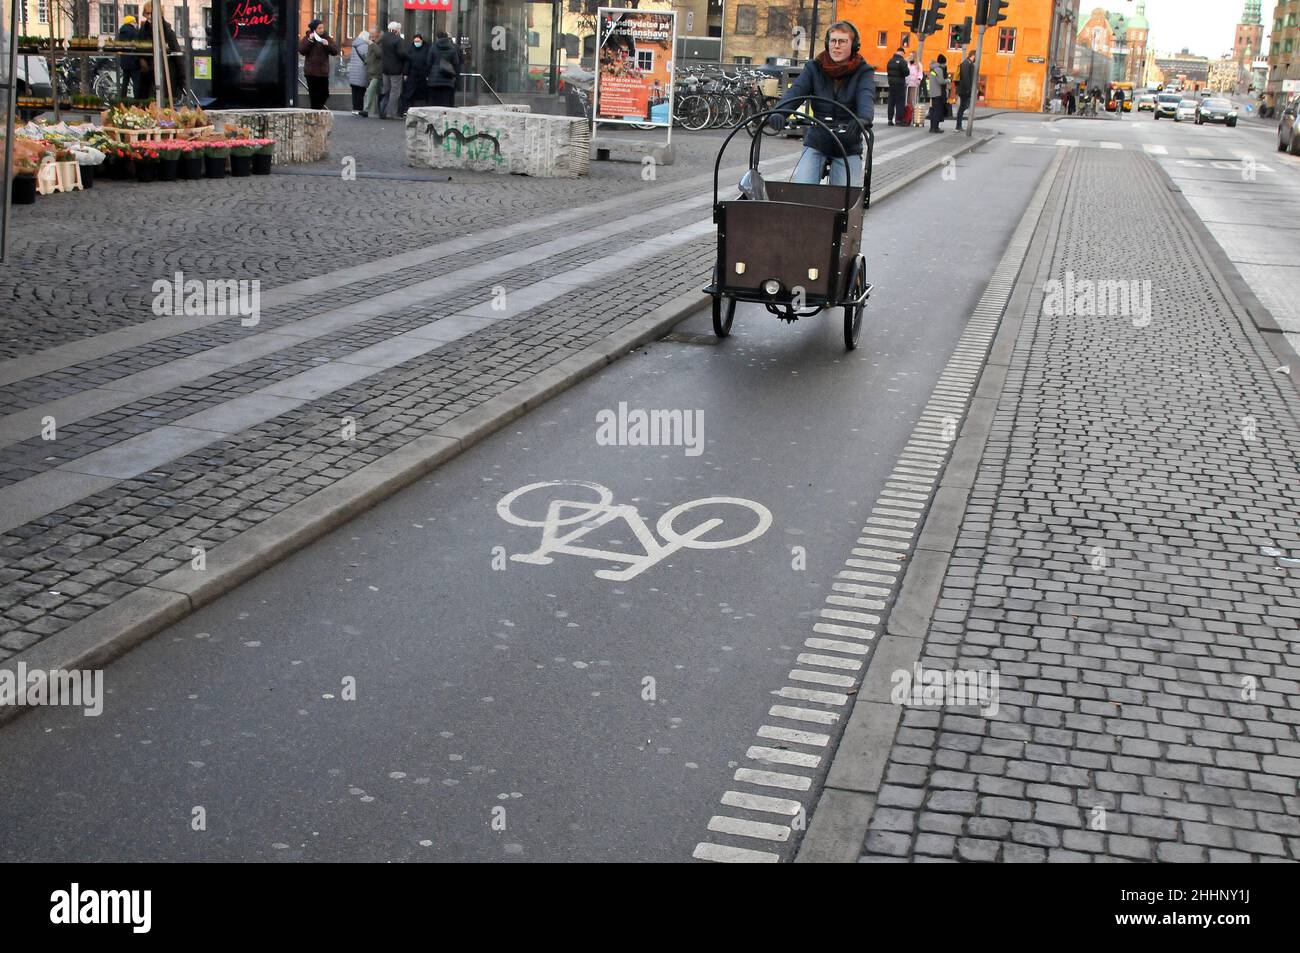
1114	539
193	452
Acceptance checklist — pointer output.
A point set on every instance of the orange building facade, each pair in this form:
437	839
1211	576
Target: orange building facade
1013	65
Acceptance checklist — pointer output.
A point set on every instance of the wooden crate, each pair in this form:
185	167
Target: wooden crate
132	136
197	132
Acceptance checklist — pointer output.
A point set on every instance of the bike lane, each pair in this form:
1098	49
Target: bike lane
404	689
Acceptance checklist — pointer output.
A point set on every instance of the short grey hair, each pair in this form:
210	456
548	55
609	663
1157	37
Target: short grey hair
394	26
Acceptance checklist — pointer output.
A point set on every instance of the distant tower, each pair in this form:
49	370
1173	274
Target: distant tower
1248	43
1135	34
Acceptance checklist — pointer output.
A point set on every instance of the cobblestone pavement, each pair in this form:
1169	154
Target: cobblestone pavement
1118	567
69	563
107	247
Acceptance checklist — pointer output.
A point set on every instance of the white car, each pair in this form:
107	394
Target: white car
1187	109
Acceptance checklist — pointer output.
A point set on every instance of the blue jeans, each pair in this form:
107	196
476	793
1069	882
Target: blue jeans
809	169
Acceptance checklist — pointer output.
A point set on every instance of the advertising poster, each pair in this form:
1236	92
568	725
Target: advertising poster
634	67
256	52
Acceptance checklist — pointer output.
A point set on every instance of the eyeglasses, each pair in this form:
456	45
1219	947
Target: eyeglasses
840	42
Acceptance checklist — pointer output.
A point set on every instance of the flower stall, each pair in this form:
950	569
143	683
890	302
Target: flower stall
140	144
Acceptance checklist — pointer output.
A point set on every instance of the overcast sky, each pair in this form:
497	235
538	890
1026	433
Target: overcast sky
1205	27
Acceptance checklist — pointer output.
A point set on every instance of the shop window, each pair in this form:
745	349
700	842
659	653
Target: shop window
356	18
1006	39
779	22
747	20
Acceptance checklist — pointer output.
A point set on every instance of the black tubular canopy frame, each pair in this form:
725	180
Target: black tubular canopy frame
755	147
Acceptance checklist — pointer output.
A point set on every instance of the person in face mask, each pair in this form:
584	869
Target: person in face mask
415	89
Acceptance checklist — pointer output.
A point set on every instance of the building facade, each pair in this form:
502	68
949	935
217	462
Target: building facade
1013	65
1190	72
1284	47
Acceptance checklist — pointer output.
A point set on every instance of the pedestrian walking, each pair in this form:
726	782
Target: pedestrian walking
445	63
357	78
897	71
936	85
394	69
374	74
1070	104
128	62
913	90
966	81
839	73
144	64
316	48
415	77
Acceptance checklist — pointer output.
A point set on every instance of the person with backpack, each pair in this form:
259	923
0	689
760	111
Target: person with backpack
374	76
936	81
445	62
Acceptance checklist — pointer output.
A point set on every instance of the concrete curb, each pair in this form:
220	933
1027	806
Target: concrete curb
117	628
842	815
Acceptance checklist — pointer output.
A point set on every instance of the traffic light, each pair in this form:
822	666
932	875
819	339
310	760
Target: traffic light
913	21
961	33
935	16
989	12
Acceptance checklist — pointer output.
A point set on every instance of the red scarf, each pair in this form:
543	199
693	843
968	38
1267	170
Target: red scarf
838	70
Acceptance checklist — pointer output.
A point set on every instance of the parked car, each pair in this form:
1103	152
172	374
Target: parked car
1186	109
1217	110
1146	103
1288	132
1167	105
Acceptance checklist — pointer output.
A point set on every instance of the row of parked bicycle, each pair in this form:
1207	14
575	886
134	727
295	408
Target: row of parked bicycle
710	98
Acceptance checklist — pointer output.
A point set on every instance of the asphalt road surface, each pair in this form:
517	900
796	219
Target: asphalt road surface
392	693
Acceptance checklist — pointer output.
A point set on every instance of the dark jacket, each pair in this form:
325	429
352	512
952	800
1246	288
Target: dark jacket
444	50
965	79
897	69
417	61
394	54
316	55
857	95
127	61
374	60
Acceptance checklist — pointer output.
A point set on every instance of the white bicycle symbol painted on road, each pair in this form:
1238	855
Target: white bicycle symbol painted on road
586	516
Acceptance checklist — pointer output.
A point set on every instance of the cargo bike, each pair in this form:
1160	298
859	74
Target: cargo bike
794	248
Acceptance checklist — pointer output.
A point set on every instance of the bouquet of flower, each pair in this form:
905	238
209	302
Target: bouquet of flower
215	148
264	147
242	147
192	118
29	154
127	117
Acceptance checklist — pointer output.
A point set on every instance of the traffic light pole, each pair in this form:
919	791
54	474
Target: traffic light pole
975	83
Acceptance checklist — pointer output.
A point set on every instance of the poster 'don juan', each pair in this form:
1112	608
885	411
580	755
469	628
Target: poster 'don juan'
256	62
634	65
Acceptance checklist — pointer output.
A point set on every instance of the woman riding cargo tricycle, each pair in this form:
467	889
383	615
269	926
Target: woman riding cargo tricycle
794	246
